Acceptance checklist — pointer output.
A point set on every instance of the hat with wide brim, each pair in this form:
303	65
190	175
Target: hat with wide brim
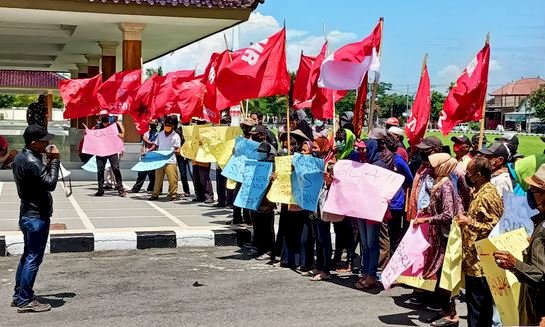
538	179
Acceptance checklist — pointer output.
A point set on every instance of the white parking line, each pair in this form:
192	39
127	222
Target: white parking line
167	214
84	219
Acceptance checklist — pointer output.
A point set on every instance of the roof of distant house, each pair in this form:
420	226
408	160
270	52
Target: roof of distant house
524	86
190	3
28	79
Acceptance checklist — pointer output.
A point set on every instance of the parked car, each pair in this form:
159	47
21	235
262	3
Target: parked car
462	128
537	128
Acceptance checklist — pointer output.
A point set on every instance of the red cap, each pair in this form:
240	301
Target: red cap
392	121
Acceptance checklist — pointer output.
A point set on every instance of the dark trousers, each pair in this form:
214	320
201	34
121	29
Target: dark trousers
101	166
292	237
444	298
35	232
202	183
396	229
183	167
480	304
282	227
240	215
307	244
263	224
221	187
344	239
150	174
322	235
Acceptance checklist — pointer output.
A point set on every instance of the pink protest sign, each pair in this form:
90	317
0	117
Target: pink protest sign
410	250
103	142
361	190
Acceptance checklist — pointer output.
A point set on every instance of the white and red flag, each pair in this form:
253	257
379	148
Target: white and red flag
420	113
260	71
465	100
345	68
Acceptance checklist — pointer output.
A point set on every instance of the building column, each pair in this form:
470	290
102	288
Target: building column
132	59
93	65
83	70
109	51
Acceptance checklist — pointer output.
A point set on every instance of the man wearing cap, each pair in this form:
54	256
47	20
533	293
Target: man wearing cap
35	181
475	145
461	148
397	133
271	138
498	154
531	271
510	138
392	122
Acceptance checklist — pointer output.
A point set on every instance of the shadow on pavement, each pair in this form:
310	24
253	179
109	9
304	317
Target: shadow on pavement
241	254
56	300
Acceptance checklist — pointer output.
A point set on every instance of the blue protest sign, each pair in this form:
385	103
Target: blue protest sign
255	183
91	165
516	214
244	149
153	160
307	180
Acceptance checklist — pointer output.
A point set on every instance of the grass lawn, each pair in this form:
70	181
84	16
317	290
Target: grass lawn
528	145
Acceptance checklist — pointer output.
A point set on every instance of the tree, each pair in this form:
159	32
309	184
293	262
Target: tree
6	100
437	101
24	100
152	70
537	102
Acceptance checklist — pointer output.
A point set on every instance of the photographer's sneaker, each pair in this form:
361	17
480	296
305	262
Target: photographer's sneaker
34	306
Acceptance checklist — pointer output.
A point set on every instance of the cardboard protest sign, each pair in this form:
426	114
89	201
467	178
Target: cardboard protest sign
409	250
451	273
191	145
307	181
209	134
280	191
217	142
255	184
361	190
516	214
91	165
103	142
153	160
504	286
244	149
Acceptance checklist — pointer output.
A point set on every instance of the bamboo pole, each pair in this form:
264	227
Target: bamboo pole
483	117
375	84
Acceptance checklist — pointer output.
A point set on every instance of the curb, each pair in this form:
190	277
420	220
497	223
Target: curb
115	241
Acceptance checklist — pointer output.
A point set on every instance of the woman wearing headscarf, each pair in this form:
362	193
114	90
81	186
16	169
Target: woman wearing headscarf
445	204
344	232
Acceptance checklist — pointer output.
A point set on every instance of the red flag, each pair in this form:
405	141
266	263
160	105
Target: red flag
323	103
259	72
466	99
302	88
79	96
421	110
117	93
214	100
359	109
141	108
344	69
165	98
189	100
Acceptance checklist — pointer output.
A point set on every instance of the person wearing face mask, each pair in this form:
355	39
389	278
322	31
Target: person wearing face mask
462	146
484	212
105	121
531	271
35	181
148	143
167	140
319	129
475	145
498	154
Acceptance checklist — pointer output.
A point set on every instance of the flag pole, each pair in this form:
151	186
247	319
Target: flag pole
483	114
288	109
375	84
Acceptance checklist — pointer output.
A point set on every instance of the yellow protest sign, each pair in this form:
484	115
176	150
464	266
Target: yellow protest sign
191	144
503	284
418	282
231	184
451	273
280	191
207	137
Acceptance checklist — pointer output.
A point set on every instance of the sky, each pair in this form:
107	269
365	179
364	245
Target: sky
450	32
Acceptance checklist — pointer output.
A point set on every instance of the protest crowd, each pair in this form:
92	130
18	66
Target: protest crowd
469	226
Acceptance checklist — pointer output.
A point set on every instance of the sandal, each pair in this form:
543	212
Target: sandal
444	322
360	284
321	277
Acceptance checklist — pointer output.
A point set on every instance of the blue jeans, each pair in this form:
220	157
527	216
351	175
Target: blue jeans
370	248
35	232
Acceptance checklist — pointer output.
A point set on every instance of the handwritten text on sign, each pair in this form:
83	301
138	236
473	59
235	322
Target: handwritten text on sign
307	181
244	149
410	249
370	185
153	160
255	184
280	191
103	142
